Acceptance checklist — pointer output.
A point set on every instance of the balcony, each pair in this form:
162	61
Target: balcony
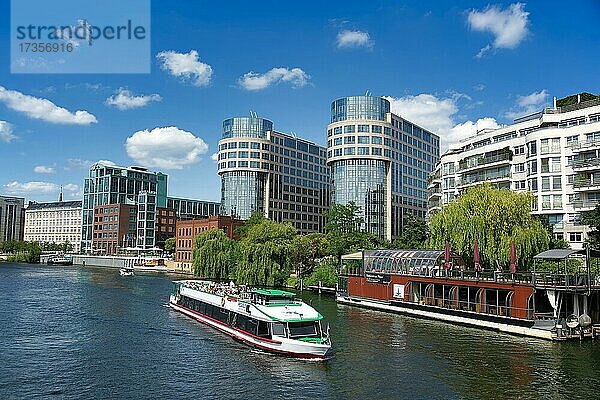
587	164
585	205
495	157
582	185
587	145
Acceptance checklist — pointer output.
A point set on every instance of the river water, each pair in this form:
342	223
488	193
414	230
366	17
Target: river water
73	332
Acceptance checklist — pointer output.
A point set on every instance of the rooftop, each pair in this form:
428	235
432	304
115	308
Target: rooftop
273	292
54	204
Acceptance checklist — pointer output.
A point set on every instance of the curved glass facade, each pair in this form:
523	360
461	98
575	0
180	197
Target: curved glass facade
363	182
246	127
242	192
359	107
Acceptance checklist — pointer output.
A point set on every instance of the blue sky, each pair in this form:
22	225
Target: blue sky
453	67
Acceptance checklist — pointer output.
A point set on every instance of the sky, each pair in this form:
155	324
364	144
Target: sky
452	67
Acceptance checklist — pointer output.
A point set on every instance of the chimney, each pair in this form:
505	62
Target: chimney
60	197
554	102
578	98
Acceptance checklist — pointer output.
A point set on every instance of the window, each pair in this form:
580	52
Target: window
350	140
555	146
519	150
556	183
376	140
363	151
545	167
254	145
363	128
520	167
349	129
349	151
557	201
544	146
376	151
575	237
532	148
375	128
546	202
303	329
337	141
545	183
520	185
243	145
532	167
556	167
363	140
337	130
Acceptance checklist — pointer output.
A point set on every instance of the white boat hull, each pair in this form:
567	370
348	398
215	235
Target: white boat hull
283	346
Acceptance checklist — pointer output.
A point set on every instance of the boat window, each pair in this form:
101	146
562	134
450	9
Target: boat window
278	329
263	329
302	329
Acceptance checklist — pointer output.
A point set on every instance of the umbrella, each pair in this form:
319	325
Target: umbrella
513	257
476	256
447	256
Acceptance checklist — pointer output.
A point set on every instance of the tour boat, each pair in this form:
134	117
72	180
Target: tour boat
422	283
60	260
126	271
267	319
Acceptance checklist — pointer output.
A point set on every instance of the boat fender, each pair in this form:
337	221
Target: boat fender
223	302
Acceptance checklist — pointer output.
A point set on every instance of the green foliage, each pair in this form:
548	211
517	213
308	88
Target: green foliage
570	100
265	254
21	251
415	233
170	244
306	250
326	273
343	218
493	217
255	219
214	255
592	218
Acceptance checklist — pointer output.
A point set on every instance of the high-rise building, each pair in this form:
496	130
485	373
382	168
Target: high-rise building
554	154
281	175
12	218
55	222
379	161
111	184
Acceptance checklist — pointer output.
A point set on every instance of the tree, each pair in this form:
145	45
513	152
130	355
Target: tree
344	218
493	217
214	255
255	219
553	243
265	254
66	247
592	218
306	250
415	233
170	245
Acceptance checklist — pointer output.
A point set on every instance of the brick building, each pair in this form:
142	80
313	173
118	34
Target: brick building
188	229
114	227
166	219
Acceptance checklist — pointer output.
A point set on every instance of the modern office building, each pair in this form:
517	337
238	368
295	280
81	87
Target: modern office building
187	231
554	153
54	222
380	161
192	208
283	176
12	218
111	184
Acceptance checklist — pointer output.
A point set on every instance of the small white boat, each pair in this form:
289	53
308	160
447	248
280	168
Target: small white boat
126	271
267	319
60	260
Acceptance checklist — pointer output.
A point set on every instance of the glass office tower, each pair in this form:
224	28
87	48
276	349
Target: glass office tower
283	176
379	161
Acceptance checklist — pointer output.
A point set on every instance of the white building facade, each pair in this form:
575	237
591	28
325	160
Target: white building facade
55	222
553	154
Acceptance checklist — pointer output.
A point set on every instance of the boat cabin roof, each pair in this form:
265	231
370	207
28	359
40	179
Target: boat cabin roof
273	293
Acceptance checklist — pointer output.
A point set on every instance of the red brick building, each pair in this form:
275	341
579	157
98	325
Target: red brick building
188	229
166	220
114	227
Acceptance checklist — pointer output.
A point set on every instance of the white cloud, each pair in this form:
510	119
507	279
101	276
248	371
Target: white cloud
509	26
43	169
6	132
124	99
353	39
78	163
528	104
468	129
38	188
38	108
167	148
215	157
255	81
438	115
186	66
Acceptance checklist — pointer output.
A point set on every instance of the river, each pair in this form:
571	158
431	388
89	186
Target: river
75	332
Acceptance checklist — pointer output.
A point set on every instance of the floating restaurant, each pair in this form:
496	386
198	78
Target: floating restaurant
436	285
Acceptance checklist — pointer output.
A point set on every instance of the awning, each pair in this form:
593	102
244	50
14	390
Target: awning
353	256
556	254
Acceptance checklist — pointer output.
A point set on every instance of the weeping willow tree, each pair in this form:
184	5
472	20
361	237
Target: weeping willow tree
214	255
493	217
265	254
